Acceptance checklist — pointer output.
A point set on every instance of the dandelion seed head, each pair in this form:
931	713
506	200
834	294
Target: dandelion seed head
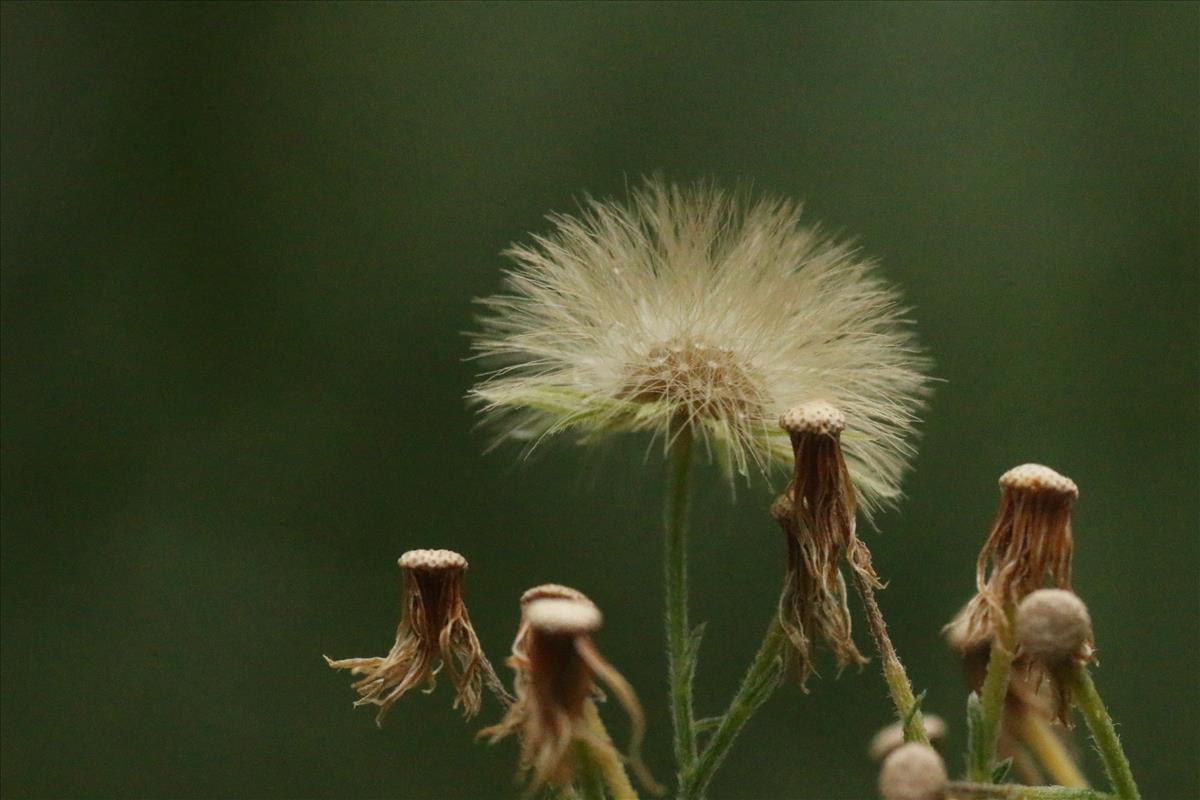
694	306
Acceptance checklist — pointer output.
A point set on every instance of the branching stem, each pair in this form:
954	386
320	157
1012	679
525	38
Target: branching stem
761	679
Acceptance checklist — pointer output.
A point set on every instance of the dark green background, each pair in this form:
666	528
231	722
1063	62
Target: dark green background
239	248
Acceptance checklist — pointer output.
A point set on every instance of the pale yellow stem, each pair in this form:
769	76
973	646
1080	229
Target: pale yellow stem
1051	752
606	758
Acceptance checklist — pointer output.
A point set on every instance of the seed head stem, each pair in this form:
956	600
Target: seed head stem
590	783
991	696
680	664
898	683
612	771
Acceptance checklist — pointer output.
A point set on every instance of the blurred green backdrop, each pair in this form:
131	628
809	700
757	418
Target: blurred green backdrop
239	248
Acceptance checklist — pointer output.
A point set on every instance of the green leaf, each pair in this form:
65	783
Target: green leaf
976	750
912	712
1000	773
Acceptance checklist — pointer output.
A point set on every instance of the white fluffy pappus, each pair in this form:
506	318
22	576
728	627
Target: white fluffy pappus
698	306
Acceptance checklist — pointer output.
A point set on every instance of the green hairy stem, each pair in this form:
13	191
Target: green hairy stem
589	783
899	686
681	665
1087	699
961	790
985	734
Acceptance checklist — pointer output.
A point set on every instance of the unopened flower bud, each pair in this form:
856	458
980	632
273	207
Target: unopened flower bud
913	772
892	737
1053	626
1053	635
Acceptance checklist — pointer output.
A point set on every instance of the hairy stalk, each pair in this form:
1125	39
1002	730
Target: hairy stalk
680	652
961	790
1038	736
898	684
612	771
492	681
589	785
1087	699
760	681
982	750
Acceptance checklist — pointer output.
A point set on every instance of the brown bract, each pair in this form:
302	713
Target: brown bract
557	665
434	633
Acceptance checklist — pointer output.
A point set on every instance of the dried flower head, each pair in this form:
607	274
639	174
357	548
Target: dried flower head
1028	706
913	772
814	600
892	736
434	633
1054	632
817	514
691	306
519	661
1030	543
546	591
823	498
555	711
